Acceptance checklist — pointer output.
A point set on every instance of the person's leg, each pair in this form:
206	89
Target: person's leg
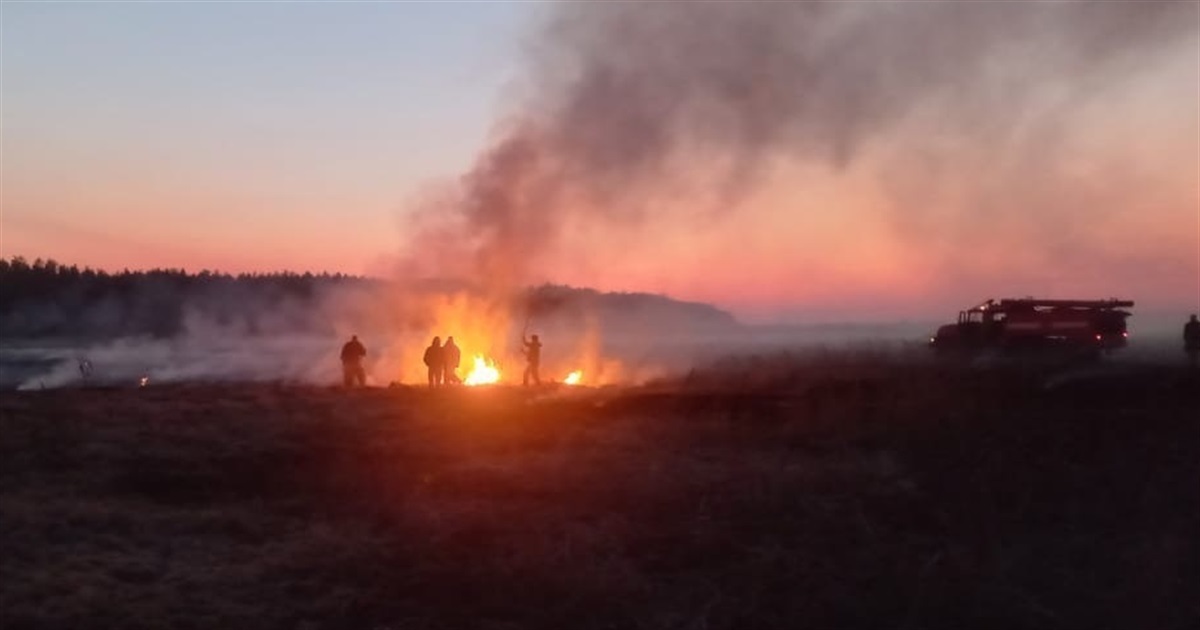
347	377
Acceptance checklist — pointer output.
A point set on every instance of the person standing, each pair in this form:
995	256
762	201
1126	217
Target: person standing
352	369
435	361
451	356
533	358
85	369
1191	340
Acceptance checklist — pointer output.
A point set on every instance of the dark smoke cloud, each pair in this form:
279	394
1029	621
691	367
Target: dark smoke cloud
625	99
631	86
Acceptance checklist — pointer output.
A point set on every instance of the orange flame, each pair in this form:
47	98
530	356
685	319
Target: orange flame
484	372
574	378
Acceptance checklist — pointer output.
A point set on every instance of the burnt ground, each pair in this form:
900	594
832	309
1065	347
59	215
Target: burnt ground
880	496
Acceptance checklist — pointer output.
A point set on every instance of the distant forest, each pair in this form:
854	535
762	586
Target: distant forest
46	298
49	299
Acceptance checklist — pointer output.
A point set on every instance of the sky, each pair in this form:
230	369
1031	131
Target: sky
247	136
239	136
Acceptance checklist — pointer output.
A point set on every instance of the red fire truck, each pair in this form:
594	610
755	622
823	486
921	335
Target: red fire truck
1027	323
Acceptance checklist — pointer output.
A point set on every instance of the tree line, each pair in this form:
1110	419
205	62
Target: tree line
47	298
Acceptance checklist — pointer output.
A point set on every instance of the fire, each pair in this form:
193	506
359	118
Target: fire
574	377
142	382
485	372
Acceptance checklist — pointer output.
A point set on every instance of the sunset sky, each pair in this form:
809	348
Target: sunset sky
264	136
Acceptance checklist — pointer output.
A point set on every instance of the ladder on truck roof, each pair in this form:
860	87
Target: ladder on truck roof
1110	303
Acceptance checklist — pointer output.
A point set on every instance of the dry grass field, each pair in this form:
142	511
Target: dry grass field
763	495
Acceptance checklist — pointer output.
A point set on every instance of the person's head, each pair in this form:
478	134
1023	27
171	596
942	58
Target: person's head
353	337
535	337
1193	317
437	341
449	341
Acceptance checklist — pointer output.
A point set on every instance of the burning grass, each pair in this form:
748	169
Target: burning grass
853	496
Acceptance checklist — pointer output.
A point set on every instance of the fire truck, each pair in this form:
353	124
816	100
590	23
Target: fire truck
1031	324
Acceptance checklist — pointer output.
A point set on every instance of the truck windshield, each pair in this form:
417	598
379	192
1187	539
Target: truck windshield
975	317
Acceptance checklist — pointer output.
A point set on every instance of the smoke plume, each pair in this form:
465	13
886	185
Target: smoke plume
632	108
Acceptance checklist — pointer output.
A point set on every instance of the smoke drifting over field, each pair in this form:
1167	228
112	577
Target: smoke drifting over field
636	110
968	115
169	326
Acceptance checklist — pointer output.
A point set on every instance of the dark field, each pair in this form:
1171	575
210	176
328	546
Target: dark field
883	496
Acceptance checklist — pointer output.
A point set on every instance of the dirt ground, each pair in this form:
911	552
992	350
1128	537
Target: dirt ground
762	496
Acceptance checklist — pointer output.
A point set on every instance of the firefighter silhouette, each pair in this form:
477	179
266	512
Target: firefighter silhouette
533	358
435	360
352	369
451	356
1191	340
85	369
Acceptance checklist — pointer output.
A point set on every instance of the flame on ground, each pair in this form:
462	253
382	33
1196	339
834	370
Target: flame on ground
142	382
484	372
574	378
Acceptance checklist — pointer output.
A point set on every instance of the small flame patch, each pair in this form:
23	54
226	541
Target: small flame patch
484	372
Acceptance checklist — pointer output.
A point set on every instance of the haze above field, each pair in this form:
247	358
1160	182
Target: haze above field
864	161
